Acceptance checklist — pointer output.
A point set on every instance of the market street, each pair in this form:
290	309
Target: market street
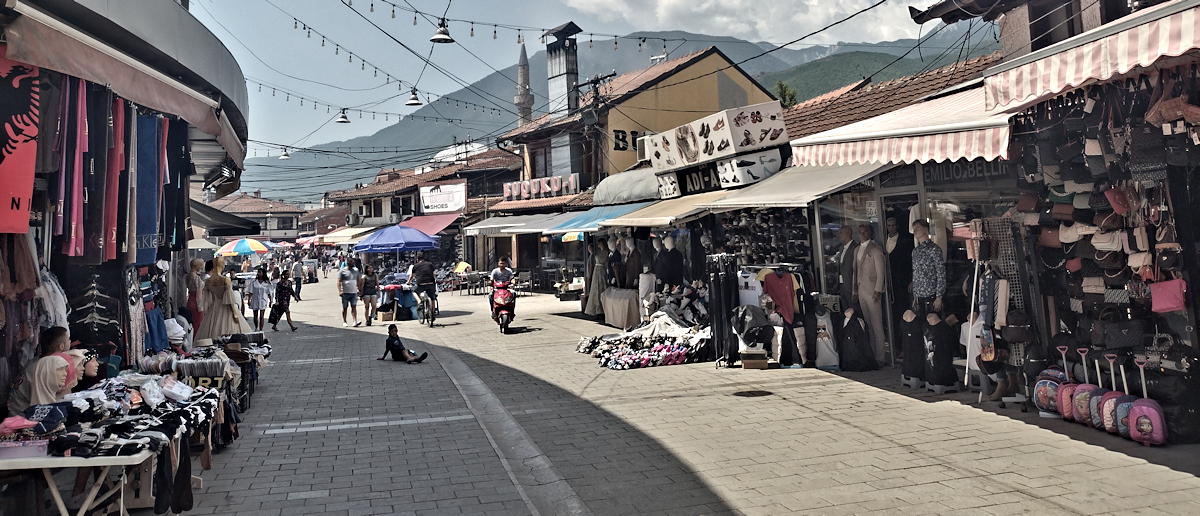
334	431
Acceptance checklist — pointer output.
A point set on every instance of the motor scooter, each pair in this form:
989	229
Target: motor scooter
504	305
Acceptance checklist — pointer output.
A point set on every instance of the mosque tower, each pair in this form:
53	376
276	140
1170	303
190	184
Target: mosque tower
524	98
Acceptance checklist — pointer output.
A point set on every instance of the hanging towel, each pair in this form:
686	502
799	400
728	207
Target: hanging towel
148	184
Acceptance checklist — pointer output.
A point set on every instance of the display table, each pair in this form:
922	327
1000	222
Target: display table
104	463
621	307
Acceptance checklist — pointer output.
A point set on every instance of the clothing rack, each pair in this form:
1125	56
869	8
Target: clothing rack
722	280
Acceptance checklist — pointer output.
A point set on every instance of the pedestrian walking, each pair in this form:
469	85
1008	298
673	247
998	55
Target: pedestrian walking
298	277
370	293
349	280
283	301
260	298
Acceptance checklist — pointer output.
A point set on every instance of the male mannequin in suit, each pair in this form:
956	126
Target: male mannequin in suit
845	259
870	275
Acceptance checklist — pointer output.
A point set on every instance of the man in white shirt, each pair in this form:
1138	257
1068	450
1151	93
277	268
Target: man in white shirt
298	276
349	279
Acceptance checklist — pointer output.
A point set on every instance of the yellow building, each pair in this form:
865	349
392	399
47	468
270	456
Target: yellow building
598	136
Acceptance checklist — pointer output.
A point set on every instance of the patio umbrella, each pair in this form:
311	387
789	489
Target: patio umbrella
200	243
286	244
396	239
308	240
242	247
269	244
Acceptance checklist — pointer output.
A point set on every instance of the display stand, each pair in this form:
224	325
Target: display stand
47	464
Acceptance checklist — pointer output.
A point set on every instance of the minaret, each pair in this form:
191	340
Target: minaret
524	99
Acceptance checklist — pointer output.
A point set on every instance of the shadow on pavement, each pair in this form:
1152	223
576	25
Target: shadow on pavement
514	330
612	466
580	316
1181	457
452	313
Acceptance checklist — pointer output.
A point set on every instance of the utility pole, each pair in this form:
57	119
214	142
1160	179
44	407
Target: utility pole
591	121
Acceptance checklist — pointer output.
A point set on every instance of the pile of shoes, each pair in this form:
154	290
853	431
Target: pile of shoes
767	236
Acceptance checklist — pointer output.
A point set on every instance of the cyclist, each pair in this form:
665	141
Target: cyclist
423	277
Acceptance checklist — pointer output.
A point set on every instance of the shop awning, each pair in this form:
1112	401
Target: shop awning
1138	40
42	40
431	224
201	244
345	235
538	226
627	186
590	220
218	223
947	128
667	212
796	186
493	225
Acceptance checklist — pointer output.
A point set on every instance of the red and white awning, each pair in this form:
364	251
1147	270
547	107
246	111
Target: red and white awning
948	128
1138	40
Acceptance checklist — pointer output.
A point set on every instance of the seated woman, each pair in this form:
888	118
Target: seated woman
52	375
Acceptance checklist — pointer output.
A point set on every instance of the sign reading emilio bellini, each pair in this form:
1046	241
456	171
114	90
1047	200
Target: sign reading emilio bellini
542	187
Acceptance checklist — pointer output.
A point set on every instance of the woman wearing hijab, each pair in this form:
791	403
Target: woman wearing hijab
221	314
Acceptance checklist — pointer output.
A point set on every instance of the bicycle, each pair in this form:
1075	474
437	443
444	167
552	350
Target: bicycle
425	307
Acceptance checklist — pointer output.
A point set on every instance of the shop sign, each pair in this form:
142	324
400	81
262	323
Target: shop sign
443	198
898	177
208	382
542	187
704	178
749	168
962	171
721	135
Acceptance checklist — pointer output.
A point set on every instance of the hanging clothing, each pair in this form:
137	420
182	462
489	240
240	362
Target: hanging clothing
156	335
62	146
668	267
782	289
221	314
633	268
148	185
112	184
130	184
616	268
96	173
749	288
599	285
49	110
73	225
20	144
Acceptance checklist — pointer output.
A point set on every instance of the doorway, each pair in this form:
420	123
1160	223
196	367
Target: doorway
899	210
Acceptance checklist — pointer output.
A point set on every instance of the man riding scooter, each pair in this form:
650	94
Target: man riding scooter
501	276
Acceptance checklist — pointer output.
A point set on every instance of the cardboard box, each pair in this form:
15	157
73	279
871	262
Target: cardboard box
752	360
387	316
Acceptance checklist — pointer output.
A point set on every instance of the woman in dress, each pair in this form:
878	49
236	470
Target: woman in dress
260	298
284	293
221	314
599	279
370	292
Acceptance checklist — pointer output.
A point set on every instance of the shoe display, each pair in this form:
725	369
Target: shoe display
763	135
723	145
719	125
775	134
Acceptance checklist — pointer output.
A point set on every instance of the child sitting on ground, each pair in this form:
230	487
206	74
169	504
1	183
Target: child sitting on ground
396	348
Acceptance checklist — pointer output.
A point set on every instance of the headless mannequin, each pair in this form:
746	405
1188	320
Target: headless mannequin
616	265
633	263
670	263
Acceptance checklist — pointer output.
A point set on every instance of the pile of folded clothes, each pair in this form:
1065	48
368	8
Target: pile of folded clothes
663	340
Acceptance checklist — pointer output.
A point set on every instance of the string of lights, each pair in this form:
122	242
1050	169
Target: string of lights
316	104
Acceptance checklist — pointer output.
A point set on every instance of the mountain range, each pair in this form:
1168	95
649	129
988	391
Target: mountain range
813	70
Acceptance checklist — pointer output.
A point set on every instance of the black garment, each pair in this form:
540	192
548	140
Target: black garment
846	275
182	501
422	274
668	267
750	323
164	485
912	339
940	343
49	104
616	269
856	352
95	162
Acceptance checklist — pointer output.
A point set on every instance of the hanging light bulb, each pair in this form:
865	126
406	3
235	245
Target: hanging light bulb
376	72
393	12
351	58
472	29
385	117
272	92
342	119
360	115
322	40
336	49
301	101
327	109
414	20
314	106
442	35
372	6
309	33
640	45
589	41
289	98
372	115
295	23
413	100
350	3
285	154
614	43
260	88
364	65
493	32
518	36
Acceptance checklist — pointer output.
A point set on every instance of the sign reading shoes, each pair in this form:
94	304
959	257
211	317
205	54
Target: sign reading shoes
443	198
717	136
542	187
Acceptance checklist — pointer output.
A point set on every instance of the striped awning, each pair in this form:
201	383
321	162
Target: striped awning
947	128
1138	40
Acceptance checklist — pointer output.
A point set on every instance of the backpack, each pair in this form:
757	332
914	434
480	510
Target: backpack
1147	425
1066	400
1045	391
1082	397
1095	409
1112	414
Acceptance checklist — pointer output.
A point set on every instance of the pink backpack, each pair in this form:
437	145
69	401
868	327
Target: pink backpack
1083	402
1147	425
1066	400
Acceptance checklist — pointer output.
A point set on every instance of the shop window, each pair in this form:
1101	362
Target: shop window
377	208
285	223
1051	21
847	210
539	162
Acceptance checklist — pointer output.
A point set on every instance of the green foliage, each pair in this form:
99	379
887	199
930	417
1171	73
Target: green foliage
785	93
824	75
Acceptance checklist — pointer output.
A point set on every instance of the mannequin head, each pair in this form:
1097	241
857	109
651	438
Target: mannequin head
628	242
920	230
197	266
893	228
668	242
865	233
656	243
602	245
845	234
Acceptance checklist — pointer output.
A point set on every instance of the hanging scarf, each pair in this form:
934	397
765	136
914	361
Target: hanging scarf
73	226
148	185
112	187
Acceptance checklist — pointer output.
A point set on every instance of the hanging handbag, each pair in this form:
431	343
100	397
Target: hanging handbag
1028	203
1086	228
1152	171
1168	259
1139	260
1125	243
1018	327
1063	212
1068	234
1031	219
1074	264
1164	238
1082	201
1052	258
1108	221
1108	315
1049	238
1077	187
1168	296
1083	249
1141	239
1117	277
1093	285
1107	241
1116	198
1116	296
1123	334
1109	260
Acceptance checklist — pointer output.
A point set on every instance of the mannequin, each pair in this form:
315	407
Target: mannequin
599	278
670	263
616	265
633	263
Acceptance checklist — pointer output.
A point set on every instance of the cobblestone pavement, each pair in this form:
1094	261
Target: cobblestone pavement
521	423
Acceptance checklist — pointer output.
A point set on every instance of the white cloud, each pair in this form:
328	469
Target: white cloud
757	20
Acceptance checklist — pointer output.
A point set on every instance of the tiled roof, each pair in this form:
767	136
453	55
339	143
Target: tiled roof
582	200
408	179
324	213
246	203
528	204
493	159
616	91
480	204
836	109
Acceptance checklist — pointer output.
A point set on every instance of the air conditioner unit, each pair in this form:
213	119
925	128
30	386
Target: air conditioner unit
643	147
394	218
353	219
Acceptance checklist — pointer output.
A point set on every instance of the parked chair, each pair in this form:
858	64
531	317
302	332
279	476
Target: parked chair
524	278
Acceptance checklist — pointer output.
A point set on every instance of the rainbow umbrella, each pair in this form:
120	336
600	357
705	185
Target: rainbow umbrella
242	247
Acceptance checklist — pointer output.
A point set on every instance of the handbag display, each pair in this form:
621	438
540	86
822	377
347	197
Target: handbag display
1108	221
1064	212
1082	200
1141	240
1116	296
1049	238
1123	334
1018	327
1028	203
1074	264
1118	201
1117	277
1093	285
1069	234
1109	259
1168	296
1060	195
1139	260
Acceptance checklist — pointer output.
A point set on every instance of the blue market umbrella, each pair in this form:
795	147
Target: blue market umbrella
394	239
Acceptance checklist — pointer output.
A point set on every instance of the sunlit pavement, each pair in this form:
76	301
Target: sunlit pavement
520	423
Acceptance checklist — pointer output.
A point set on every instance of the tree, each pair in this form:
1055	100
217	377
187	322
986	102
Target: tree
786	94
